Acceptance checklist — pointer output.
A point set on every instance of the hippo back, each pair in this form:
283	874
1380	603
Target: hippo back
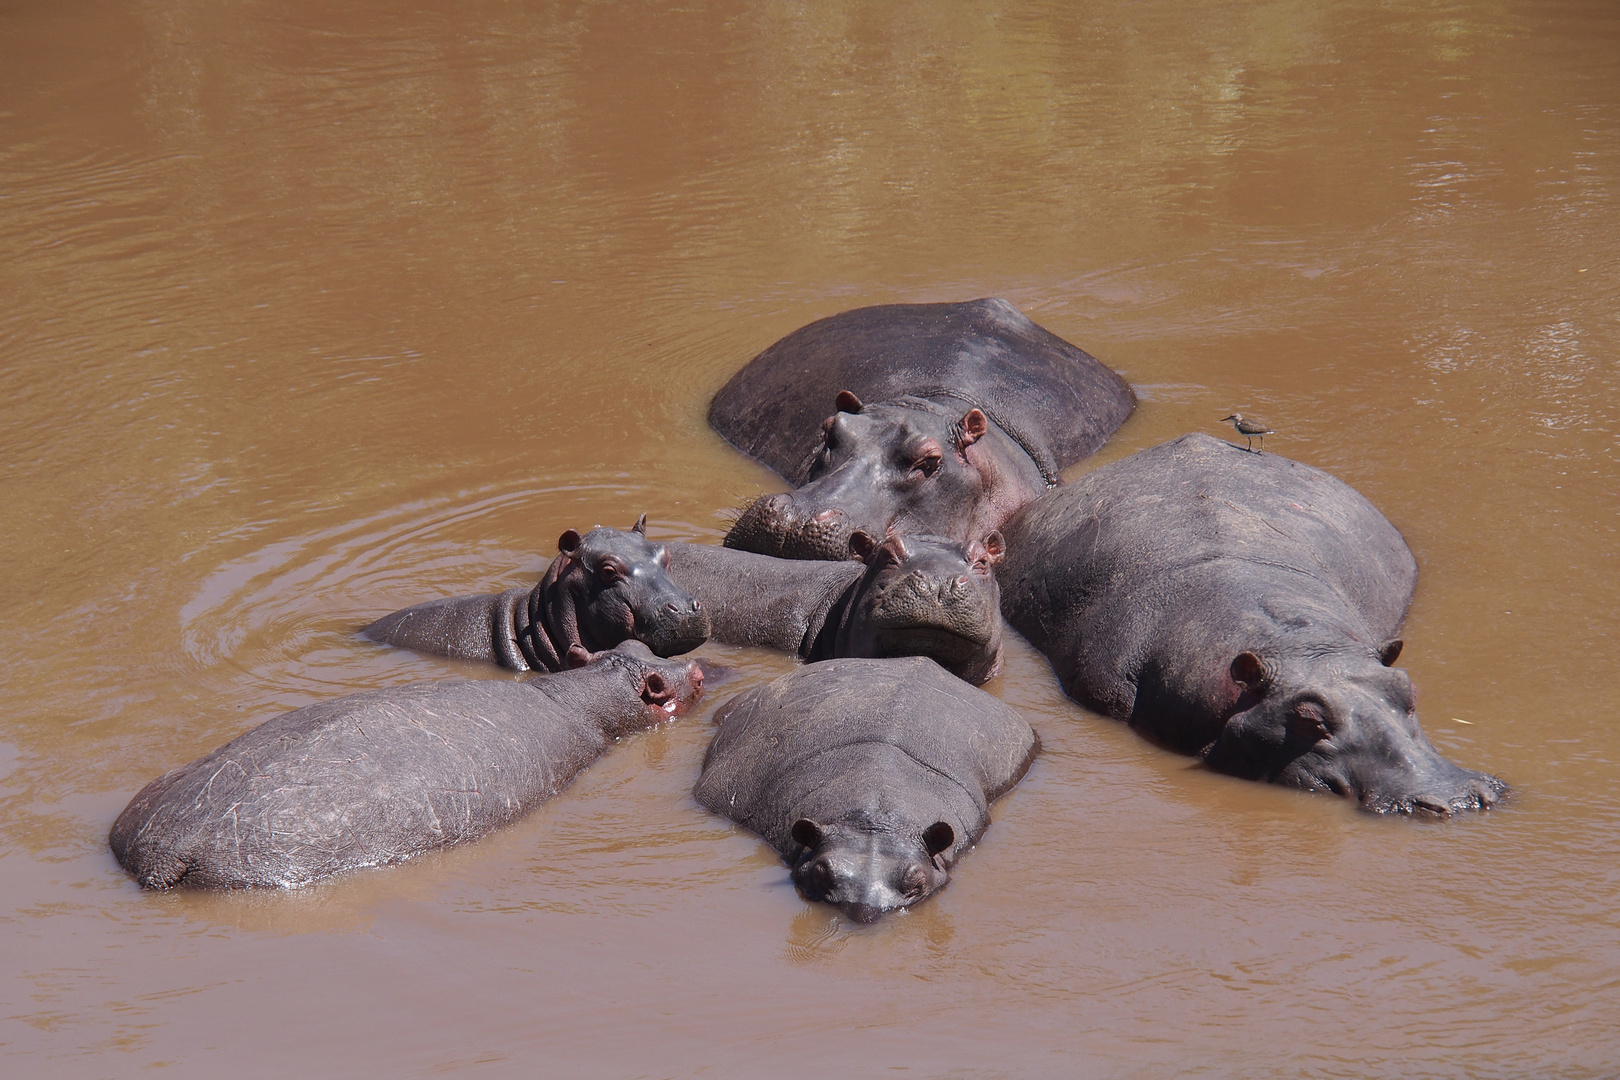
1054	399
826	737
1090	565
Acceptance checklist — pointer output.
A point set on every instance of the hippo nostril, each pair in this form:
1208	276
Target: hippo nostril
1422	804
697	605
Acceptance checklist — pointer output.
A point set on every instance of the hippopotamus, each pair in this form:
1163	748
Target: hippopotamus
906	596
871	777
378	777
946	418
602	588
1240	607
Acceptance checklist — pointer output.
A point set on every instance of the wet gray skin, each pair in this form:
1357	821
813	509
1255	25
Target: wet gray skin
925	596
919	466
379	777
1238	606
871	777
602	588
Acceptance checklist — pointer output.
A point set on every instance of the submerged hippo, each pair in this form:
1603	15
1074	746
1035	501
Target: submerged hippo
602	588
375	778
907	596
946	419
870	777
1241	607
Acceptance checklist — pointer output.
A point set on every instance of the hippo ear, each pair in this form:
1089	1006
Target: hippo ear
640	526
1390	651
974	425
807	833
995	548
1249	670
895	545
862	546
938	837
847	402
568	542
578	656
654	690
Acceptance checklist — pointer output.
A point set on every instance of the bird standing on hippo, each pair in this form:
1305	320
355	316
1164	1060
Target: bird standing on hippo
871	777
1241	607
602	588
378	777
947	418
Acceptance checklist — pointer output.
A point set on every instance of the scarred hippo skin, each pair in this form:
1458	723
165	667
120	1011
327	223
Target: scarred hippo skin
871	777
375	778
603	588
970	411
1238	606
907	596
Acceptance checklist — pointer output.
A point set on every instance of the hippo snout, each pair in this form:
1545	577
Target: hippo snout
1471	791
777	525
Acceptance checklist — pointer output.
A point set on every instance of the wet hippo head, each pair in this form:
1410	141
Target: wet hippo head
1345	724
925	467
614	586
667	688
927	596
868	871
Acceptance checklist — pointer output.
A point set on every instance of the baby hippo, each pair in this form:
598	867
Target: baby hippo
871	777
602	588
907	596
375	778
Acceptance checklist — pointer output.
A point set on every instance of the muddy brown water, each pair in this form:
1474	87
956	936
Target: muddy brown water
310	310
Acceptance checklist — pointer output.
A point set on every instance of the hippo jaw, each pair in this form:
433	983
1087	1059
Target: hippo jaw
1353	731
867	871
912	464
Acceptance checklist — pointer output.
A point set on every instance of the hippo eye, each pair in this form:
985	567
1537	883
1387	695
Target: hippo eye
612	571
928	464
913	884
1311	721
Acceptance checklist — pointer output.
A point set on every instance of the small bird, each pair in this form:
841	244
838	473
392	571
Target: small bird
1250	429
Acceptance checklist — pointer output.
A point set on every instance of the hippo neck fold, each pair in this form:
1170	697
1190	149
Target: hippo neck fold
552	624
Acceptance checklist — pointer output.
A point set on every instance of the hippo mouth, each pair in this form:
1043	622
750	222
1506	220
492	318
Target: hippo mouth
1483	793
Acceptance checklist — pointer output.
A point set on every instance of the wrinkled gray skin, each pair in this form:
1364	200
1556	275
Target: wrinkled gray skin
375	778
1238	606
972	409
871	777
603	588
907	596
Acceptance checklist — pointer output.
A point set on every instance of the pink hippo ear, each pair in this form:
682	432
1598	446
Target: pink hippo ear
568	542
847	402
991	550
862	546
895	545
640	526
974	425
578	656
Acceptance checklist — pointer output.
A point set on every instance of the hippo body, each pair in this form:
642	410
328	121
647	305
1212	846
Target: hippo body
948	418
1237	606
378	777
907	596
870	777
602	588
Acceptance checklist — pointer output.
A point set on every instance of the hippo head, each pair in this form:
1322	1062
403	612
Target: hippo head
1345	724
928	596
617	586
911	462
667	688
867	871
